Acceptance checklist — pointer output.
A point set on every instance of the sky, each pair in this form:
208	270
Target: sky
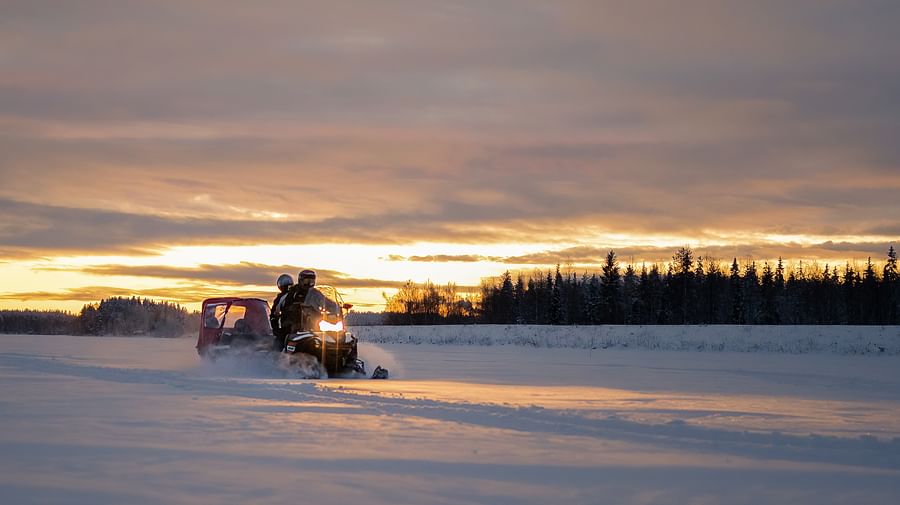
185	149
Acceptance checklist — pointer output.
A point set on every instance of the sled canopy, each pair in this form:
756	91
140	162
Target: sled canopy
232	315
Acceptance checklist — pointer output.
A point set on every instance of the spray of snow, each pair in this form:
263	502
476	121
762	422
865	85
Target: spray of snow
261	364
301	366
375	356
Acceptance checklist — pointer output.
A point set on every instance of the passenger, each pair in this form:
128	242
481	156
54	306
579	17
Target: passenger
284	283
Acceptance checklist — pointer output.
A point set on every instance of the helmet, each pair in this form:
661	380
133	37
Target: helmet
306	279
284	282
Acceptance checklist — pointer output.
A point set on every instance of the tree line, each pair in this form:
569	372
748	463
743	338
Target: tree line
40	322
429	304
110	316
686	290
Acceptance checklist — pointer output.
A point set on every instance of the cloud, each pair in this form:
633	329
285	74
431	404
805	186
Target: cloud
888	229
443	258
47	229
587	255
55	228
182	294
132	127
242	274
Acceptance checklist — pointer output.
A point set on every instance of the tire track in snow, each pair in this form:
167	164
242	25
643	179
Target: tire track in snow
864	451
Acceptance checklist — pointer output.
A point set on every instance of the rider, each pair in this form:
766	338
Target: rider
288	307
305	280
284	283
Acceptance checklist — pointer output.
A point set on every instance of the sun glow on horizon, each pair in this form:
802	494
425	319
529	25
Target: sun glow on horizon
70	281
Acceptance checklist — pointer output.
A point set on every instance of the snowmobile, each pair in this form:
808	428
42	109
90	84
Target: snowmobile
317	343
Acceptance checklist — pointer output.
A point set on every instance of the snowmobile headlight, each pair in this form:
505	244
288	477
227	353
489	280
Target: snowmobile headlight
326	326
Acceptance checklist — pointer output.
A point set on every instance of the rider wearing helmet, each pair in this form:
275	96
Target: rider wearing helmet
305	280
284	283
289	305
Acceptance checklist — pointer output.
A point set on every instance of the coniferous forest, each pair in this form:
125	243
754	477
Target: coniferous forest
687	290
111	316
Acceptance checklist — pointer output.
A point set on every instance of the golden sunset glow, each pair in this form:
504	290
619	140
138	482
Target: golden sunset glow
365	274
442	143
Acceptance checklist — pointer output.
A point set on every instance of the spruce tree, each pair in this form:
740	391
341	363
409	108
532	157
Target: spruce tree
781	304
660	303
736	290
584	295
630	295
681	286
595	306
890	272
751	294
610	290
504	306
546	299
768	313
520	302
715	289
869	296
573	299
791	297
555	307
531	302
700	309
851	305
644	297
890	281
779	276
831	309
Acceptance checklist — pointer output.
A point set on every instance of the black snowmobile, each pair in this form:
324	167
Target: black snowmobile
316	328
316	345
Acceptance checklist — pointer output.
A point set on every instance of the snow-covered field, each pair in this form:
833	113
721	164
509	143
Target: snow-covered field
139	420
739	338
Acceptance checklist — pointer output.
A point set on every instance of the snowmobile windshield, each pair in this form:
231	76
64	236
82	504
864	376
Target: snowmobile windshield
325	300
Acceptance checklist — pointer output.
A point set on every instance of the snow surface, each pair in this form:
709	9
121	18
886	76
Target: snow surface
739	338
139	420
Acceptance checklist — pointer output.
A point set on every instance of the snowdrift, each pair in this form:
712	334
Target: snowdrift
744	338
